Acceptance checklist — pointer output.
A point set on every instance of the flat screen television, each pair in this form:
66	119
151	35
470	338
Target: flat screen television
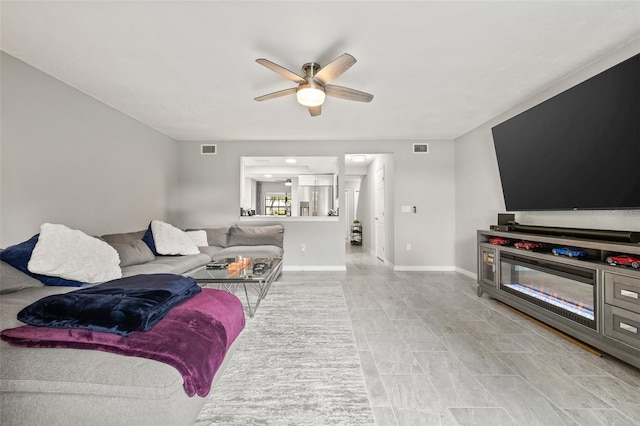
579	150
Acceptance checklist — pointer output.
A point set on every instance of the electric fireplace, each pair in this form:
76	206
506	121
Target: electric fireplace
566	290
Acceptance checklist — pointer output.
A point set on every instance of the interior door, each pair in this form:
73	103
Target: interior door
379	214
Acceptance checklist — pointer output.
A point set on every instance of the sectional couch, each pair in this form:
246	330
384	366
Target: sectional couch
41	386
223	242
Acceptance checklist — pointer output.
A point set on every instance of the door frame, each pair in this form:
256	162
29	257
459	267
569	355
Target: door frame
379	213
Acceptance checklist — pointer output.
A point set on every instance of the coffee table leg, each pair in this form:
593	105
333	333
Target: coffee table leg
246	293
261	289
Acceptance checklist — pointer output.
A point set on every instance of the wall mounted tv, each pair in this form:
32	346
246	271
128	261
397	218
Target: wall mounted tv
579	150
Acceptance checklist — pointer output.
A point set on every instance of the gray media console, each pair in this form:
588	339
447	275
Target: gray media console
588	289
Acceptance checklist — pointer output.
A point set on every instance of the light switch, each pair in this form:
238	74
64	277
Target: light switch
405	209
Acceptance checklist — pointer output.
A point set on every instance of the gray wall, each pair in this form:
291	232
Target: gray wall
426	181
478	190
207	194
68	158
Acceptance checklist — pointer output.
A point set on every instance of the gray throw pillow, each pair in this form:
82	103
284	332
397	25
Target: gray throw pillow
125	237
12	279
256	235
133	253
217	236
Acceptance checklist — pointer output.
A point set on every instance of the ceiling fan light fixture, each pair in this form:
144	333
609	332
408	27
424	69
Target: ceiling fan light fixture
314	85
309	95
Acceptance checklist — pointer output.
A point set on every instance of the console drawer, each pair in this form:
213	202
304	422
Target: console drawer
622	325
622	291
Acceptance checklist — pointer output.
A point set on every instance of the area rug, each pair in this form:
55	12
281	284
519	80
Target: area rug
295	363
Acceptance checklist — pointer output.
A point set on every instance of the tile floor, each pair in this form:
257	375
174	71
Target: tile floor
434	353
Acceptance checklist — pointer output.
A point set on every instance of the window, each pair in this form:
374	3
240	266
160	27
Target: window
277	204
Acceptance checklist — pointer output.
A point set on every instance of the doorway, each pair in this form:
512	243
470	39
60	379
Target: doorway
369	200
351	197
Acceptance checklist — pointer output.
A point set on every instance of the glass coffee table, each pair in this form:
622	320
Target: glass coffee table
253	275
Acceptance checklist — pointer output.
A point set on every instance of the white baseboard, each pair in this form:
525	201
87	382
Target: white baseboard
425	268
294	268
467	273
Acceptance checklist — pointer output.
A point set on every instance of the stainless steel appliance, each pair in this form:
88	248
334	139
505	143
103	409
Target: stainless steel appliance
315	195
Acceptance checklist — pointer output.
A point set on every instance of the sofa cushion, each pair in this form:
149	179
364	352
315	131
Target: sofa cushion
249	251
84	379
210	250
217	236
170	240
146	268
199	238
73	255
133	253
12	279
256	235
124	238
18	256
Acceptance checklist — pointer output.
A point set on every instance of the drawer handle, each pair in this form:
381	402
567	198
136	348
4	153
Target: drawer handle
629	328
628	293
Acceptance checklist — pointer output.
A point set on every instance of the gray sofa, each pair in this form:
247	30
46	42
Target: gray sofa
247	241
41	386
224	242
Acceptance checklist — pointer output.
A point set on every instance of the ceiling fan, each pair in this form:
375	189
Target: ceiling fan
314	85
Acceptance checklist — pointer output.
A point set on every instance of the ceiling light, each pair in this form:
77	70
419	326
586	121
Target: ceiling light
268	175
290	160
358	158
310	95
287	182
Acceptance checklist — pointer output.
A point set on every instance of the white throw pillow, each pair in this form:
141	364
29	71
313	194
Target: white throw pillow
73	255
199	238
170	240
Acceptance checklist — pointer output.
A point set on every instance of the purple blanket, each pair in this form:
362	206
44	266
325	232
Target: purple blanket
193	337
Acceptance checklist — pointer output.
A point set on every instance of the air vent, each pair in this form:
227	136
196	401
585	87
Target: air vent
208	149
420	148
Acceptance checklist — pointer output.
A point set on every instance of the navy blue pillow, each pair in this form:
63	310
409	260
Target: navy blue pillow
19	255
148	239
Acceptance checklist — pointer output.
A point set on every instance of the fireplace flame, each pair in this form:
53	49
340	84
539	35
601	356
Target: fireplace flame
579	307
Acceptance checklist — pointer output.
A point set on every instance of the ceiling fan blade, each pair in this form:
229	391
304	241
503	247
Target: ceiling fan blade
335	68
315	110
281	70
347	93
278	94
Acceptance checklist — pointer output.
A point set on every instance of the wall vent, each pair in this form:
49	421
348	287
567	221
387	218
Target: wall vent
420	148
208	149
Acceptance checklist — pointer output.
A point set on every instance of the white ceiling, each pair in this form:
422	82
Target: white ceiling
436	69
